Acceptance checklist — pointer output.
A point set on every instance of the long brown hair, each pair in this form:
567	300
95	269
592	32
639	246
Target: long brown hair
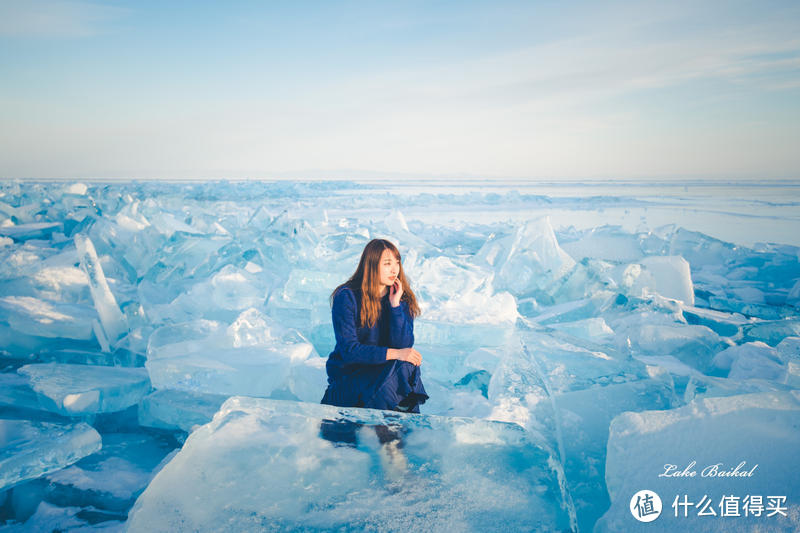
367	280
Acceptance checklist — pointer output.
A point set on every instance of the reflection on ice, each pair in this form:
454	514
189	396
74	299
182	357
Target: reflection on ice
267	464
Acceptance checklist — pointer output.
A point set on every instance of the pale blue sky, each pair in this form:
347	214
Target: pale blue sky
348	89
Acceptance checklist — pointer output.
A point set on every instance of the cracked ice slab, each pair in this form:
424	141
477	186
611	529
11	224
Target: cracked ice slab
757	429
30	449
265	464
75	390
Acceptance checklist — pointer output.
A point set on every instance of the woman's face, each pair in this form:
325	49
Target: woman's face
388	268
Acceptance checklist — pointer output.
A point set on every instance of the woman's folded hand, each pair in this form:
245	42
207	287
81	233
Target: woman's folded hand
404	354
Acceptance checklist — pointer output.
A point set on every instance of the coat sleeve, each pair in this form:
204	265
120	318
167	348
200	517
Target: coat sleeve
345	317
401	330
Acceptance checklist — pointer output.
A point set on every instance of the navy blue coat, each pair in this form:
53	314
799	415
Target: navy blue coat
358	373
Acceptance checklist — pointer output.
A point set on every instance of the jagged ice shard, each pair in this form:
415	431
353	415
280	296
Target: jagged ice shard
114	324
251	356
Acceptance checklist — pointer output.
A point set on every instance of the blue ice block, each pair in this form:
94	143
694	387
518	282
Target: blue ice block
178	409
712	448
277	465
76	390
30	449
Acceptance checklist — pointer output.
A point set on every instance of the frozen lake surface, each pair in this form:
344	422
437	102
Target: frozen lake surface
166	341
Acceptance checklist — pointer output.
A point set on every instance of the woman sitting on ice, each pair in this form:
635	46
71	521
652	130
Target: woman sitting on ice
373	364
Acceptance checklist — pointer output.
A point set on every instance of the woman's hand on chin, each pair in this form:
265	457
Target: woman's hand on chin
395	292
404	354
